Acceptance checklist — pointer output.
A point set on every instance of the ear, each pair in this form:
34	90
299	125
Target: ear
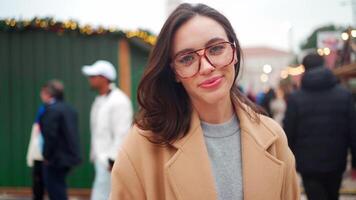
235	60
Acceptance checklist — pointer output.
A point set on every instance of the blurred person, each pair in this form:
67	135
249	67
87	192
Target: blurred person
266	101
277	105
287	86
110	120
259	97
35	158
320	124
196	136
61	150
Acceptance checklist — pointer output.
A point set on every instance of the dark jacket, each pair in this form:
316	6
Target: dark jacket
320	123
59	125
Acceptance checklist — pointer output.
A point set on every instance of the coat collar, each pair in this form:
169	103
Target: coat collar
250	124
190	166
247	124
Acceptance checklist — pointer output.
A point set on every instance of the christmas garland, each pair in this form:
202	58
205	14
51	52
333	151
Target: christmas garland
49	24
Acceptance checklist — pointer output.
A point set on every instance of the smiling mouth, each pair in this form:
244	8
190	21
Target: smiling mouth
211	83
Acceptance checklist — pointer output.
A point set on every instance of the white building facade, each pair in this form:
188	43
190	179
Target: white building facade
261	68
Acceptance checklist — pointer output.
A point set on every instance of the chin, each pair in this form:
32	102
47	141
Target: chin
216	96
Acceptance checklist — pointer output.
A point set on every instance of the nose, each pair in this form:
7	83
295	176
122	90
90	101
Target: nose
205	66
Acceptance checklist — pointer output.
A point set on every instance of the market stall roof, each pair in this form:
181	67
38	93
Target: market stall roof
141	38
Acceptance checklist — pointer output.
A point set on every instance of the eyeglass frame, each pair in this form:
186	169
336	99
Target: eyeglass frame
206	57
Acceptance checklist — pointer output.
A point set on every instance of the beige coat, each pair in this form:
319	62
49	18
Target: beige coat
147	171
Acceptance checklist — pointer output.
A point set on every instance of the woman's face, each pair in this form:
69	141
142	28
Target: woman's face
209	85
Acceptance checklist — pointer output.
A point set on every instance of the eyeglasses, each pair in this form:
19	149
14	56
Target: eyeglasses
218	55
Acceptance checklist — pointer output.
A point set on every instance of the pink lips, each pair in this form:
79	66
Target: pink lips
211	83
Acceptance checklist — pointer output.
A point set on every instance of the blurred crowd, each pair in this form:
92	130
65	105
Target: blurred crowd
319	120
54	148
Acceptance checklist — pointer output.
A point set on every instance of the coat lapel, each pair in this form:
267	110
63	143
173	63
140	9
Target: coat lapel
262	172
189	172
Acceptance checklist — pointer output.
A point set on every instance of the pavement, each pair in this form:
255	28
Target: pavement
6	197
347	191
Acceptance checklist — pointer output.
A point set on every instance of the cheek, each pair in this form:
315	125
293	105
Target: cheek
231	73
188	85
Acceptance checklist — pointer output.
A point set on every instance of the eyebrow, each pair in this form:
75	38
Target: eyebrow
211	41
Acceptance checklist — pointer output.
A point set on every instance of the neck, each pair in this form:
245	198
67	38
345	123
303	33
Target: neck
215	113
104	89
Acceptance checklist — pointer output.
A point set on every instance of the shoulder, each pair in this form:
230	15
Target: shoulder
130	164
142	155
64	107
279	148
137	143
295	95
272	126
119	97
342	91
135	137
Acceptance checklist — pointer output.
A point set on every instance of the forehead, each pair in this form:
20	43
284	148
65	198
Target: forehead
196	32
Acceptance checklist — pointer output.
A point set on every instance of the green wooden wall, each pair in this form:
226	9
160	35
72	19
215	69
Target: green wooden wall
27	60
139	58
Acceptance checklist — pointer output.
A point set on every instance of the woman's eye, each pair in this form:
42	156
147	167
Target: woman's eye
186	59
217	49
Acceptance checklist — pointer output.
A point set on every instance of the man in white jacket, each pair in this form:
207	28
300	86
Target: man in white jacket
110	120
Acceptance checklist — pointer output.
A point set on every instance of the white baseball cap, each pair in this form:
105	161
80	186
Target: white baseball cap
100	67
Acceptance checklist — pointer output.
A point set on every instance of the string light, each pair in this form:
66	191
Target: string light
320	52
267	68
295	71
345	36
353	33
142	35
326	51
50	24
12	23
264	78
7	22
284	74
26	23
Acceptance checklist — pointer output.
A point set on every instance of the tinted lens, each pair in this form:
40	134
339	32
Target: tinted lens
221	54
187	65
186	59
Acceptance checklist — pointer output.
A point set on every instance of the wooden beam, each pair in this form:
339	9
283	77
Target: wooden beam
124	67
346	70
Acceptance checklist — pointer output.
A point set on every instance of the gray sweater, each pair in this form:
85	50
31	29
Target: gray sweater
224	149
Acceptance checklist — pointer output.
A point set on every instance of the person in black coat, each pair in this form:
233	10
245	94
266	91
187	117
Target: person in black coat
320	124
61	150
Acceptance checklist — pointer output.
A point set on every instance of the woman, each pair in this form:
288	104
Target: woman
195	135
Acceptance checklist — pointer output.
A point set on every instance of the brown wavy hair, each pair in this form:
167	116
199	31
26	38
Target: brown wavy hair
165	107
